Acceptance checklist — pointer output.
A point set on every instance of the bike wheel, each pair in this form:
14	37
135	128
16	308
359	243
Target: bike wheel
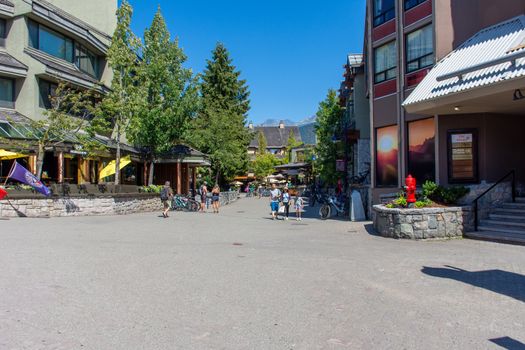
311	201
194	206
325	211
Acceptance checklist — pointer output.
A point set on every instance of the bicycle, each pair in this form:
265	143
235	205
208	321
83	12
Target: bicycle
184	203
326	208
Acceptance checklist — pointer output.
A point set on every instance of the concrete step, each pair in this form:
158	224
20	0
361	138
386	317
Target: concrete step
508	223
497	236
516	205
514	217
520	199
509	211
501	228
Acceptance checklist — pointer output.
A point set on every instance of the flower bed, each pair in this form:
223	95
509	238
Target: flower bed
418	223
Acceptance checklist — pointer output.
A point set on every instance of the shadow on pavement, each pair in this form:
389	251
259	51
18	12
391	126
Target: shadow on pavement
508	343
370	230
503	282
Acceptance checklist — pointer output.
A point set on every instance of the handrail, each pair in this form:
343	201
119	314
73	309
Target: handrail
475	201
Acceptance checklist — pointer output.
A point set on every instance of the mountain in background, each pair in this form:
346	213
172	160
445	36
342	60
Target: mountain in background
287	122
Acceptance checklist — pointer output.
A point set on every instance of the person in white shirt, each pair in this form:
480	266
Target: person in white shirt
275	197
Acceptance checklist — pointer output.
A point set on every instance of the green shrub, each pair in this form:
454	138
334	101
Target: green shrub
150	189
445	195
429	189
390	205
401	202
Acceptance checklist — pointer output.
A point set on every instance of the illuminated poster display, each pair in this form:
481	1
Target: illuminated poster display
421	150
462	162
387	151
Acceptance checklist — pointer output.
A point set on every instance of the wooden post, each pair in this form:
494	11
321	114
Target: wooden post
186	178
32	164
83	170
145	179
194	177
60	161
179	177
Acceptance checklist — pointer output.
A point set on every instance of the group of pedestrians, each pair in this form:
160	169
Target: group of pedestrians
167	195
280	202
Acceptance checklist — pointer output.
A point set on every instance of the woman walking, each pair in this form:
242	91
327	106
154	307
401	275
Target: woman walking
299	204
286	203
215	198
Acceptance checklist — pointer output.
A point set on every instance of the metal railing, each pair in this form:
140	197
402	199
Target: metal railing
512	174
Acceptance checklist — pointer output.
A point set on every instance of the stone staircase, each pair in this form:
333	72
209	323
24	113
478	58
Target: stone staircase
505	223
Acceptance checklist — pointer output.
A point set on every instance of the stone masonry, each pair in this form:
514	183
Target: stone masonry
423	223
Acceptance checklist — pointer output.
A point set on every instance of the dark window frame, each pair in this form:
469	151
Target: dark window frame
475	158
409	4
44	101
384	72
417	59
384	16
13	88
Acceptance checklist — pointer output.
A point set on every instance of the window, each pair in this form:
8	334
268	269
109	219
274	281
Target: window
420	49
385	66
412	3
384	10
86	61
421	150
7	93
462	156
47	89
387	151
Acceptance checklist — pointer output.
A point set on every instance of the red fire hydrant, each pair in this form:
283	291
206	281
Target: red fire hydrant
410	187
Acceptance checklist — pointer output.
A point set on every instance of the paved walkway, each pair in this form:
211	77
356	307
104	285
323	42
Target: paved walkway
240	281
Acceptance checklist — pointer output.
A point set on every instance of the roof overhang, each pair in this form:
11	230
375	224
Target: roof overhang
7	10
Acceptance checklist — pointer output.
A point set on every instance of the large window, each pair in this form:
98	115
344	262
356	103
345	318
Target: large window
47	89
421	150
384	10
385	66
420	49
56	44
3	31
387	151
462	156
7	93
412	3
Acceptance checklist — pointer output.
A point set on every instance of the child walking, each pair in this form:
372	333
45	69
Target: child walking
299	205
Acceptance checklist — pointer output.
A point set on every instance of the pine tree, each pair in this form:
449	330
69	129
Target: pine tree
291	144
328	122
170	94
220	128
120	104
261	141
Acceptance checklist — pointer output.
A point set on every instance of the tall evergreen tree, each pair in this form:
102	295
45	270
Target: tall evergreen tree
170	93
120	104
291	144
262	142
220	128
328	122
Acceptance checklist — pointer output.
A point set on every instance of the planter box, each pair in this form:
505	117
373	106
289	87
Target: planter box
422	223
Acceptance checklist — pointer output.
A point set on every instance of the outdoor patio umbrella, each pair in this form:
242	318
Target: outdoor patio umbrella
110	168
6	155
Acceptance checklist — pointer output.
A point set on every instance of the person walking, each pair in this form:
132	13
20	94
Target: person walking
275	197
286	203
299	205
215	198
204	195
260	191
166	196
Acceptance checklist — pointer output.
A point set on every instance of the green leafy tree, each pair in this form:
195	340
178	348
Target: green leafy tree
169	91
264	164
261	141
220	128
328	124
291	144
121	103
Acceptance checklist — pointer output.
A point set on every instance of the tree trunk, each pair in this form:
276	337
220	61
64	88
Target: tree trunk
217	177
117	158
40	160
151	172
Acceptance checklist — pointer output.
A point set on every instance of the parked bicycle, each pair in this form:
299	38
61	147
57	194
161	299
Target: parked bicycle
184	203
331	203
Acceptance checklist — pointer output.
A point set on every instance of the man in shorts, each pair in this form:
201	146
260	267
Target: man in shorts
166	196
275	198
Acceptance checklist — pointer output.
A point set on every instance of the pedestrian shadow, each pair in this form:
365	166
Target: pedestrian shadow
508	343
371	231
498	281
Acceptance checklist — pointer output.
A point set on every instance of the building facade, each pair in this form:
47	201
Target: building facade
404	40
276	138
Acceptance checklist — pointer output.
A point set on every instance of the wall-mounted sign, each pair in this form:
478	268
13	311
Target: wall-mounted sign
462	156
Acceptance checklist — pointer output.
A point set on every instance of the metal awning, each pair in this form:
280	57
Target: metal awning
491	62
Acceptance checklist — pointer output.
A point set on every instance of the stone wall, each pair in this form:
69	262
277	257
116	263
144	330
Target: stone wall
116	204
424	223
228	197
498	195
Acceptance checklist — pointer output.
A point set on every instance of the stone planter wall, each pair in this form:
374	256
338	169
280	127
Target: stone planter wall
424	223
115	204
228	197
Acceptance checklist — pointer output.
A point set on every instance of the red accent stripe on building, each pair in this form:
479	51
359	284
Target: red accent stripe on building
419	12
384	30
415	78
385	88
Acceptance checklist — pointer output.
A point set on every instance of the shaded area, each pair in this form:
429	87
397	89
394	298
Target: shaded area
503	282
508	343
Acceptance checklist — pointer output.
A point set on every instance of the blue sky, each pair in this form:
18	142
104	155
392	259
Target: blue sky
289	51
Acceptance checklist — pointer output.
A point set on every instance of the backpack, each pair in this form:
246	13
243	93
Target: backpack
164	194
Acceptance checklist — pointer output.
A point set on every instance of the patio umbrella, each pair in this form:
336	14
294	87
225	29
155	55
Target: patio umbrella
237	183
6	155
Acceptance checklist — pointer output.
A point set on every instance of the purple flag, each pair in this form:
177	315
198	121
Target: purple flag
23	175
